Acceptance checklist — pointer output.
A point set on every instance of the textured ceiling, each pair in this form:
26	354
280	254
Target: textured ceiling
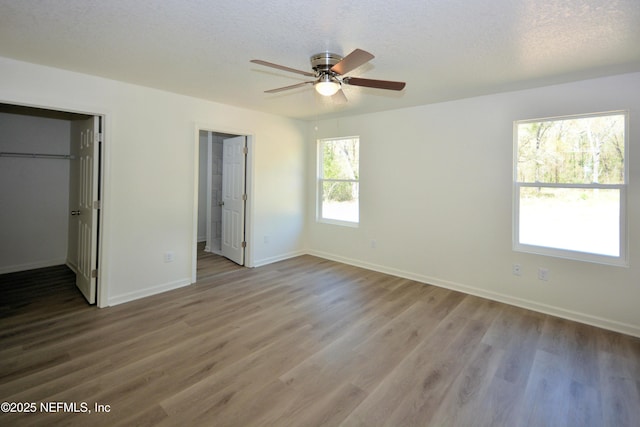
443	49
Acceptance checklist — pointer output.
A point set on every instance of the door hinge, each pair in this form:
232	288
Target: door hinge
244	197
244	244
94	274
97	204
245	150
99	137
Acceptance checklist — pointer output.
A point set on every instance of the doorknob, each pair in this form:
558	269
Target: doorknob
74	213
220	203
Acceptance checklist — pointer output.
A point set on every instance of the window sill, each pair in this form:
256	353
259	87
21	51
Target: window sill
572	255
338	222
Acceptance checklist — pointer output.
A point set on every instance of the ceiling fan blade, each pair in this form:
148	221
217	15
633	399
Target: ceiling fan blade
282	67
352	61
377	84
339	97
280	89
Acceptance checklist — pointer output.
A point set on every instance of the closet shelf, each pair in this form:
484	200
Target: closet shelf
38	155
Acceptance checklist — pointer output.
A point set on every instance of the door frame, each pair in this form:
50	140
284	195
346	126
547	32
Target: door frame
102	291
249	217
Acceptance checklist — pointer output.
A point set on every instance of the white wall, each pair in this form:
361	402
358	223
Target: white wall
151	173
34	193
214	245
217	143
202	188
436	195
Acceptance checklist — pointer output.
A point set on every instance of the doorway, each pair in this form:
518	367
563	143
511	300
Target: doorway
46	171
222	196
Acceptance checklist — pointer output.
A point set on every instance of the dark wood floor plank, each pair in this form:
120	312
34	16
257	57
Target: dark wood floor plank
306	341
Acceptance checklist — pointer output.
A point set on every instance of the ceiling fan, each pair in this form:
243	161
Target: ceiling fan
329	71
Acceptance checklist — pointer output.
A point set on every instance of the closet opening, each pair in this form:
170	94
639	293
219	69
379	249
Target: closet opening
50	186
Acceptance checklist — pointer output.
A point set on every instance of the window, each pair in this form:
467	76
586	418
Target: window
570	176
338	186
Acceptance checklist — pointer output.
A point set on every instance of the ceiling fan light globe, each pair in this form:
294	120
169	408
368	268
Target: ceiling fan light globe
327	88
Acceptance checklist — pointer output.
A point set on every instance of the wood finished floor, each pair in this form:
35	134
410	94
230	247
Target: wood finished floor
306	342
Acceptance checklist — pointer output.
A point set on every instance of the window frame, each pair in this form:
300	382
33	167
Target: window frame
620	260
320	180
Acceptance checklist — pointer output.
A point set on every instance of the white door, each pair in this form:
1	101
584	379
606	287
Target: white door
233	198
87	209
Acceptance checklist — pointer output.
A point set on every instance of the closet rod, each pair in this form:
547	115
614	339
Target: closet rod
38	155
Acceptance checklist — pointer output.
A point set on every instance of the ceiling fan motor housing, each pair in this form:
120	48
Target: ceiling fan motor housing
322	62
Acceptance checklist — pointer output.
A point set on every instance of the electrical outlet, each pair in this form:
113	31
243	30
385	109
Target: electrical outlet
543	274
266	239
516	269
373	244
169	256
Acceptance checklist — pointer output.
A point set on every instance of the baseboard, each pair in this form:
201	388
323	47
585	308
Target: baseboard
271	260
153	290
588	319
32	265
72	266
